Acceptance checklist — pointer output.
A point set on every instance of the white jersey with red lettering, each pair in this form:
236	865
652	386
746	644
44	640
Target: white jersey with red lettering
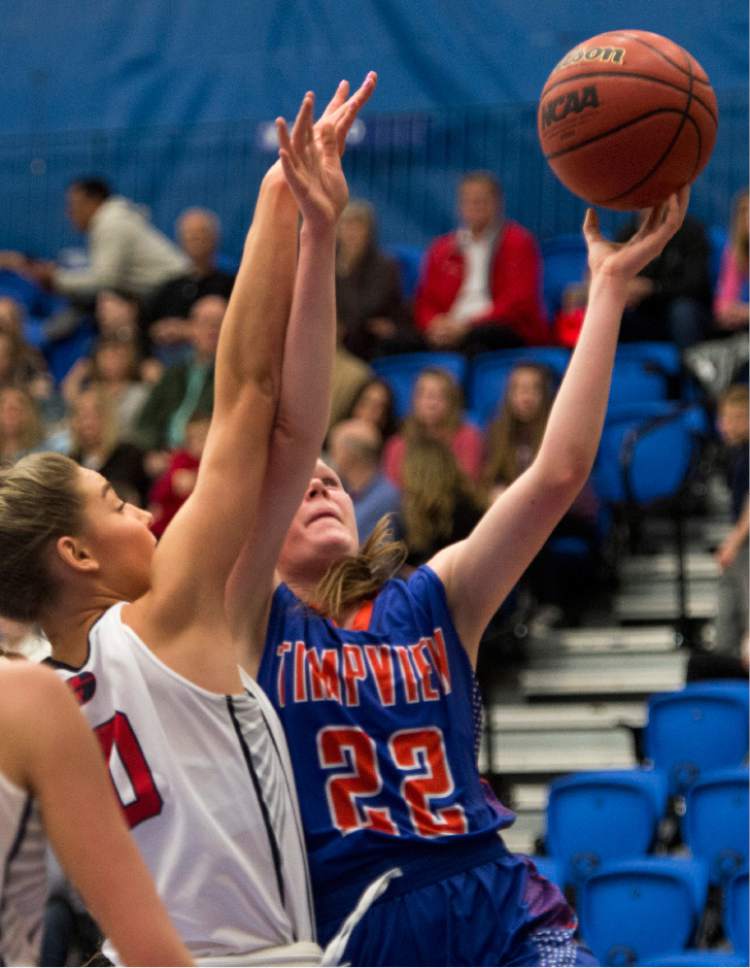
23	876
206	785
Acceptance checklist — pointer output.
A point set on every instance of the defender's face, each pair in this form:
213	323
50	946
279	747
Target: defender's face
118	536
324	528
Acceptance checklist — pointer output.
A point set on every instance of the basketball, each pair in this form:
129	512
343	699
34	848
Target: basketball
626	118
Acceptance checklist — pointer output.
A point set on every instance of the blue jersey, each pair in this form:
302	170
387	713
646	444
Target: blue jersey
382	727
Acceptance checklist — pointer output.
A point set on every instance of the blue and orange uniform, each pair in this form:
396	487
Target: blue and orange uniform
383	721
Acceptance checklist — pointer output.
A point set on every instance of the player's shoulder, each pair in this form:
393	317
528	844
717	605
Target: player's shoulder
29	689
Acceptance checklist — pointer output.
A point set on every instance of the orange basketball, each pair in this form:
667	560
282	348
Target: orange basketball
626	118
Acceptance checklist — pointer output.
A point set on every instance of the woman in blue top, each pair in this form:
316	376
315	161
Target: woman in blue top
373	677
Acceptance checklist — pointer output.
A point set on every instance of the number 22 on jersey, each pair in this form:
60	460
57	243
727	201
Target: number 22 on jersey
418	753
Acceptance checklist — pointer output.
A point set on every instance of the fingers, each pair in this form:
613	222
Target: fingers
339	97
591	231
302	129
329	141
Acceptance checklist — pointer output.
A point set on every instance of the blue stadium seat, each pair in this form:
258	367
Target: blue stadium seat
489	374
736	904
595	818
697	729
664	357
696	958
630	465
634	382
401	372
716	822
563	262
639	909
409	259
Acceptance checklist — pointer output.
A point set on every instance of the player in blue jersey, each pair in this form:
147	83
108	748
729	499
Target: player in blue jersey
373	676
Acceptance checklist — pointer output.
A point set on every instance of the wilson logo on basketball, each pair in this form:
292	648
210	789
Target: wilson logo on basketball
558	108
608	55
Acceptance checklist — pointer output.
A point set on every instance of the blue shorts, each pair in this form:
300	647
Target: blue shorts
500	912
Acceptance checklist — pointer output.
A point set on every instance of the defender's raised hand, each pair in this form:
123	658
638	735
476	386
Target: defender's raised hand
341	110
312	164
625	260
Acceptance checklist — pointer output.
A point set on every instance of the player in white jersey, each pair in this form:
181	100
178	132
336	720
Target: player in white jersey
194	749
53	782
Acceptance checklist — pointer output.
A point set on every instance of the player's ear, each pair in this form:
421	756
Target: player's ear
72	553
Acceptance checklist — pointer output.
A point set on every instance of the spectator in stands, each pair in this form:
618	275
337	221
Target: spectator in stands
113	367
125	252
732	555
117	314
369	298
184	388
94	444
350	374
198	232
177	483
439	504
437	412
731	303
480	287
671	298
24	365
375	404
355	448
513	440
21	426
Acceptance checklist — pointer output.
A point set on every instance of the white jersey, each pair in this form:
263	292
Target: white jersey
23	876
206	785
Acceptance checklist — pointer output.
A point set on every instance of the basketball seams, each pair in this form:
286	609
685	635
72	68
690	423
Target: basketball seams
611	131
665	154
633	76
655	50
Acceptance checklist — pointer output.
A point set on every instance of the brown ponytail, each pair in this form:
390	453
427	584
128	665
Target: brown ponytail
39	502
358	577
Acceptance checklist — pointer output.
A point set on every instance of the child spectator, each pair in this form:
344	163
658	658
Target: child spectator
95	444
176	484
113	367
437	412
732	555
375	404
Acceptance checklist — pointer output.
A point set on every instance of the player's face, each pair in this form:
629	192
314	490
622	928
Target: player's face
324	528
118	536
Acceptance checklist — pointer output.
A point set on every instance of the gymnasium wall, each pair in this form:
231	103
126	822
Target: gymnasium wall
171	100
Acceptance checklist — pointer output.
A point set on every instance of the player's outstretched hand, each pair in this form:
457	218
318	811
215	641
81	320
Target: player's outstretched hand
312	165
342	110
626	259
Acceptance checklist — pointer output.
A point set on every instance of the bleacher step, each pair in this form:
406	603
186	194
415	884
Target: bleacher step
555	751
537	717
663	566
613	681
609	639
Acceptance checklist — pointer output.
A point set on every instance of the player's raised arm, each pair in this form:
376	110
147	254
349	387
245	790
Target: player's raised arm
312	164
198	549
55	757
479	572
